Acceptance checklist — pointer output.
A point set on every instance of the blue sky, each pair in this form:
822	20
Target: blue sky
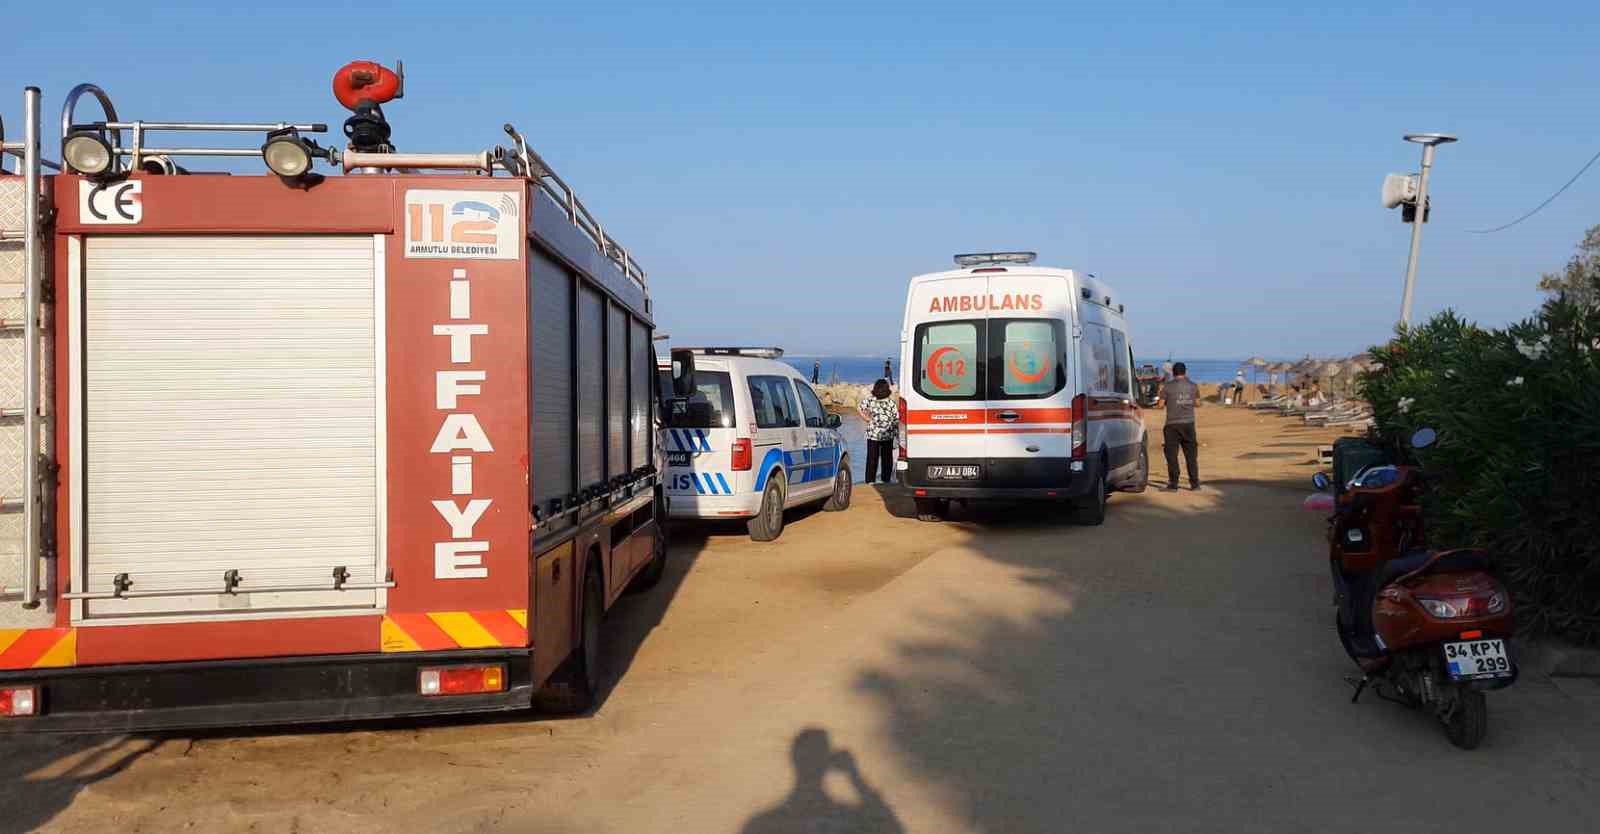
781	172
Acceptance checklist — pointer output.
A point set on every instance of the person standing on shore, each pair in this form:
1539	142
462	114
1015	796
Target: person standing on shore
1182	397
883	420
816	372
888	372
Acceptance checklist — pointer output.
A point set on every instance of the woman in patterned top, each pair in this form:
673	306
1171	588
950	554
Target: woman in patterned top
883	418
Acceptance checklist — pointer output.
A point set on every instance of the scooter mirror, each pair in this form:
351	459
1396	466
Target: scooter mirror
1320	481
1424	438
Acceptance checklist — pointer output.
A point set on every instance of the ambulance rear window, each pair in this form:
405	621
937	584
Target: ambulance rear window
948	361
710	406
1029	355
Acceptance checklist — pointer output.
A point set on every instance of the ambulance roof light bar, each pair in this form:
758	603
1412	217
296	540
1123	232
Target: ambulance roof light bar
759	352
985	258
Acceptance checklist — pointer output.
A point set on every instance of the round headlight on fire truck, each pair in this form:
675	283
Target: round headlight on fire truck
86	153
287	155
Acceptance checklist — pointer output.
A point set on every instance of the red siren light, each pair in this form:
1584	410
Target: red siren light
371	81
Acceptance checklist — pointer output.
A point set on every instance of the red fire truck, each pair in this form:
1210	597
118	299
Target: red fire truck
358	433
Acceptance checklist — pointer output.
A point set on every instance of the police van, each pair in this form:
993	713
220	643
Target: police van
748	438
1017	383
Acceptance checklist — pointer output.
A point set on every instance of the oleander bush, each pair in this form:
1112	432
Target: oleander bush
1518	416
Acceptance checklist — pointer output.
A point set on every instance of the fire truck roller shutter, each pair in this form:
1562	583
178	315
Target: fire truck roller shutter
616	391
231	420
639	393
550	332
591	362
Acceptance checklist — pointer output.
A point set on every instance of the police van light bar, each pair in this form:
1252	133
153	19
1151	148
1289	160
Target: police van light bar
981	258
762	352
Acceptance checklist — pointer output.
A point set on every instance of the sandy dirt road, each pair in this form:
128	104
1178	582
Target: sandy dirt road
1173	670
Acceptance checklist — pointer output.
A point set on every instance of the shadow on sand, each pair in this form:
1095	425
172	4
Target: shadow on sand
809	809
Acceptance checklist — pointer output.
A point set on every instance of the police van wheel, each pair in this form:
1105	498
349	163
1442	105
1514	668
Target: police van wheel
768	523
842	484
932	509
575	687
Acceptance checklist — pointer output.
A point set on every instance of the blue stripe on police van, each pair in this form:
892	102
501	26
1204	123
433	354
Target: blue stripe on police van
705	443
726	490
699	489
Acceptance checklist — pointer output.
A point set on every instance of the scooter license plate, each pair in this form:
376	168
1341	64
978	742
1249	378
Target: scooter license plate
1477	659
952	473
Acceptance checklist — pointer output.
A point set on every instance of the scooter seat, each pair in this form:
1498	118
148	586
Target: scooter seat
1458	562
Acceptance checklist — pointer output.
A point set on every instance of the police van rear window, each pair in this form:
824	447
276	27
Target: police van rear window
710	406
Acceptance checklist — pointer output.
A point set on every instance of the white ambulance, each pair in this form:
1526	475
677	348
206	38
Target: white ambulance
1017	383
750	440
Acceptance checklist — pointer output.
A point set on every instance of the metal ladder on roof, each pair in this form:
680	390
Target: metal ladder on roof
26	436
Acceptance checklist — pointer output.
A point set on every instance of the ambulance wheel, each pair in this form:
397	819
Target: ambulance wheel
842	484
575	687
1092	512
768	523
1142	480
932	509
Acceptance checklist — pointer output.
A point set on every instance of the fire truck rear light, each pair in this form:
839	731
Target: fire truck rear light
461	680
19	701
741	454
922	493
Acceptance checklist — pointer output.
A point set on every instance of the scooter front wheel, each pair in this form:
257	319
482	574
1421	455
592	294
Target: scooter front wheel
1468	723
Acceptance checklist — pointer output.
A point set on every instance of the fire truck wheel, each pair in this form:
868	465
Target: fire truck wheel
652	573
575	687
768	523
840	499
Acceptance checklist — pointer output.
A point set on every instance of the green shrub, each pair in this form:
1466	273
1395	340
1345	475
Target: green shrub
1518	416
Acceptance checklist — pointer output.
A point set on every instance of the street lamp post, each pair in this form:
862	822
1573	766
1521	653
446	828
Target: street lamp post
1428	141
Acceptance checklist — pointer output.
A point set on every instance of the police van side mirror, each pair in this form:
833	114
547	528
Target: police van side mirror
833	421
683	372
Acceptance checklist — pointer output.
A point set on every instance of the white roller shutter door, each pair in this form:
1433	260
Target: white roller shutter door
232	402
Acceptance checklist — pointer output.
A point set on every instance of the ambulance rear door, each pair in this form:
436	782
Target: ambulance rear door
1029	394
944	371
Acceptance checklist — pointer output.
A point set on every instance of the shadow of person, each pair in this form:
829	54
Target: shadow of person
809	810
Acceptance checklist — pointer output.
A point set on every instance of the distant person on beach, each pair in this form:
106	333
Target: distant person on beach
1182	397
888	373
883	420
816	372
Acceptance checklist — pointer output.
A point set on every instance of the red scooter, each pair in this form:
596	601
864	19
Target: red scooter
1429	628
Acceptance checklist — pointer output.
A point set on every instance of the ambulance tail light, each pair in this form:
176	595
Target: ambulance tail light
19	701
741	454
1080	434
461	680
900	430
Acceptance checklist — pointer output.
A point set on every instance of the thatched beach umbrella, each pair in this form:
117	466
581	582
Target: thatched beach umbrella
1255	362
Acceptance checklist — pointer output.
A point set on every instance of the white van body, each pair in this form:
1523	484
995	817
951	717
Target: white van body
744	399
1017	383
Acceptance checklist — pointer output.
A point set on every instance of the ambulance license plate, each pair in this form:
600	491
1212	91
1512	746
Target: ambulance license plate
677	458
952	473
1477	659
